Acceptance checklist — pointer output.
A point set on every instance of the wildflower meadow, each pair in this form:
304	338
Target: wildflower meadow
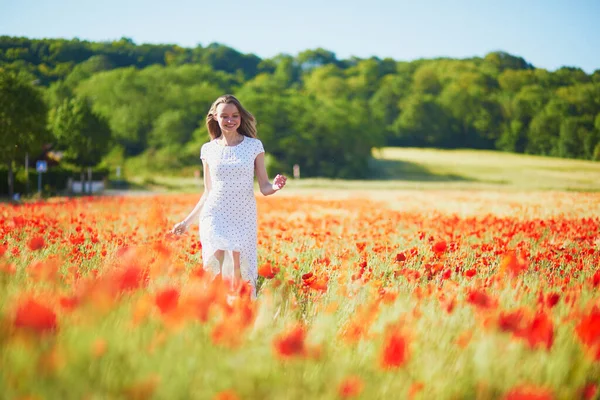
393	295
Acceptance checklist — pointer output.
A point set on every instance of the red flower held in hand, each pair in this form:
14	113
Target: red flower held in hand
33	315
36	243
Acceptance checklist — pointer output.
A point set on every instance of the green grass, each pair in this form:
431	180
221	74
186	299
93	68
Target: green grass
416	168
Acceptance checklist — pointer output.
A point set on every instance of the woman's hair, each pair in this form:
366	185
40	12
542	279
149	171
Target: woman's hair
248	123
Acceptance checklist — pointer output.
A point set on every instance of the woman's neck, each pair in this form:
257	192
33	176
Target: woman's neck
231	137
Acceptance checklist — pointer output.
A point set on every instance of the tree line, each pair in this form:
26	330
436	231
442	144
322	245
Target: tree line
98	99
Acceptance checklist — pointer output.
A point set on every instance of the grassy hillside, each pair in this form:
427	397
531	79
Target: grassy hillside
485	167
416	168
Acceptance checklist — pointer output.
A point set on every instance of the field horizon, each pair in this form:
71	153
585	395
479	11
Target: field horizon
408	168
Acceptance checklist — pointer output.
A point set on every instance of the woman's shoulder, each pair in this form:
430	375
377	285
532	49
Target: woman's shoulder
253	139
206	147
210	143
257	145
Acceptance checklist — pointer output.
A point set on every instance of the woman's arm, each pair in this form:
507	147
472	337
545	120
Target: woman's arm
266	188
183	225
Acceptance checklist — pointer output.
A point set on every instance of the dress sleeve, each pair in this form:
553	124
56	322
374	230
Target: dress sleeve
258	148
203	152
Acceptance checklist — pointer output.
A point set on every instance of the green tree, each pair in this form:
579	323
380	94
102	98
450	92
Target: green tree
577	138
23	116
326	81
309	59
172	128
542	135
426	80
595	148
423	122
519	111
384	105
133	100
512	80
503	61
363	78
477	117
83	135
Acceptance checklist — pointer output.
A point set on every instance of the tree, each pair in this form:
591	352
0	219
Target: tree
133	100
172	128
467	100
577	137
543	134
512	80
326	81
503	61
426	81
309	59
154	96
83	135
363	78
23	116
384	104
423	122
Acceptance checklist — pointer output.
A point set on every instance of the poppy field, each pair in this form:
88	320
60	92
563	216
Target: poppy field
423	295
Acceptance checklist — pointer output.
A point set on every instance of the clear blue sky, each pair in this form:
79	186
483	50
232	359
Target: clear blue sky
547	33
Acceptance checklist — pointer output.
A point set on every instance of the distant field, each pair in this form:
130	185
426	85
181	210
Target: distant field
487	167
415	168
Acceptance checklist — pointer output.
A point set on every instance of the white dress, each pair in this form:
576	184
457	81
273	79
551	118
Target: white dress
228	220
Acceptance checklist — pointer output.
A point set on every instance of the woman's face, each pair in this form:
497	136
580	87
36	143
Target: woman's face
228	117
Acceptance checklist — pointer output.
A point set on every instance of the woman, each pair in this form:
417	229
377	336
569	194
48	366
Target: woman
227	208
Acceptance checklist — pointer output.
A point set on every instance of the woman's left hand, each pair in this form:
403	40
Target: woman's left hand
279	182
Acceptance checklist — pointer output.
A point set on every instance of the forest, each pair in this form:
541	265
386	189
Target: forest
107	103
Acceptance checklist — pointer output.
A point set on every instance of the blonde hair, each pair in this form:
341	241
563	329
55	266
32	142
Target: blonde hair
247	126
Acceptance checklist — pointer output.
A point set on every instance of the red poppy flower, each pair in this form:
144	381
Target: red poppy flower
588	331
480	299
512	265
290	343
540	332
268	271
36	316
400	257
440	247
36	243
351	386
528	393
132	278
166	300
395	351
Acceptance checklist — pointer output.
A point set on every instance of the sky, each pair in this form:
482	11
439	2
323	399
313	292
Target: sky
546	33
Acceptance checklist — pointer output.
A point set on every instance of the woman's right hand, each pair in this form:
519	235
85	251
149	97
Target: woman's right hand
180	228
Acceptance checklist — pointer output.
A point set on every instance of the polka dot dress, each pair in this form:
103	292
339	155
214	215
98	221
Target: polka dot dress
228	220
